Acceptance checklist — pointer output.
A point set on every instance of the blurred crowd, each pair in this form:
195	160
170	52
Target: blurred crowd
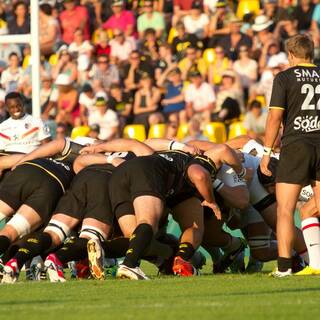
106	64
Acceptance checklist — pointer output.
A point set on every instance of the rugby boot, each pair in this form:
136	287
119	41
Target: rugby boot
125	272
10	272
96	257
308	271
54	268
183	268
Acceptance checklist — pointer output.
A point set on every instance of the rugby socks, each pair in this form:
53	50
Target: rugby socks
284	264
73	250
185	251
311	233
139	241
4	244
33	246
116	248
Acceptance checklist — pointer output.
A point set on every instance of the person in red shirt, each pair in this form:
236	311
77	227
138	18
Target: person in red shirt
121	19
72	18
180	9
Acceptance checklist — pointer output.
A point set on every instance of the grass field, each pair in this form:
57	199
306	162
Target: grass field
206	297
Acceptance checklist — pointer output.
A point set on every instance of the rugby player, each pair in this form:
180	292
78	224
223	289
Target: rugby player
294	102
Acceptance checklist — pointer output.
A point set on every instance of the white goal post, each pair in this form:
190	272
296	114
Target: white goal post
33	40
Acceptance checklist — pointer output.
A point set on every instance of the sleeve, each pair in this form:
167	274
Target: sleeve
188	93
278	94
211	97
113	121
44	131
229	177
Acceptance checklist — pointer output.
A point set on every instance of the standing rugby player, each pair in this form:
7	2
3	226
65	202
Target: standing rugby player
295	102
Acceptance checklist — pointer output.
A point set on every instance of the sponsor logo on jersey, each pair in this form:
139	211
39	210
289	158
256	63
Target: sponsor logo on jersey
166	157
307	75
307	123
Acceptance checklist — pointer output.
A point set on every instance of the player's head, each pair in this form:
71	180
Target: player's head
300	48
14	104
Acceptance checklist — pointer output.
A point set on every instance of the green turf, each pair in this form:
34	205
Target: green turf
206	297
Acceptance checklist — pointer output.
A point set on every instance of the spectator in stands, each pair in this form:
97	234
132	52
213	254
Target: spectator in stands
72	18
180	9
65	65
255	120
19	22
146	103
192	63
45	94
286	28
94	131
103	74
5	50
219	64
67	103
196	22
105	118
151	19
173	102
102	46
133	71
165	63
261	27
12	76
194	130
121	47
80	46
273	11
271	55
183	40
121	19
87	101
303	14
150	46
61	131
199	97
49	30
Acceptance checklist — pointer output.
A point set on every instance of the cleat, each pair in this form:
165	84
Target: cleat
281	274
82	267
228	259
54	268
36	267
308	271
10	272
95	257
136	273
183	268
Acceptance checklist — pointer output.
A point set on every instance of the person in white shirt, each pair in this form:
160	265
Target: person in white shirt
199	97
106	118
121	47
21	133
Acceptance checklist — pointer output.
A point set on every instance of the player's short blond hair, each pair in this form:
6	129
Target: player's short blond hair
301	46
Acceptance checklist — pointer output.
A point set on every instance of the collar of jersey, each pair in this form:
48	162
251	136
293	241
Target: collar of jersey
306	65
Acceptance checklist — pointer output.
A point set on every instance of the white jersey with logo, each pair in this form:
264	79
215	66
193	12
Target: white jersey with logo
22	135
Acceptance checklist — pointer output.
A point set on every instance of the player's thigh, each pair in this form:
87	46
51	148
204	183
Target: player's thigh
189	214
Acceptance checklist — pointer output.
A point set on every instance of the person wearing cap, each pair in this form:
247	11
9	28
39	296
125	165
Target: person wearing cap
151	19
67	102
261	28
146	103
197	22
72	18
105	118
199	97
121	19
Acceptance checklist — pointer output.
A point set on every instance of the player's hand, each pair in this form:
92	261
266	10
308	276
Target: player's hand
215	208
88	150
192	149
264	165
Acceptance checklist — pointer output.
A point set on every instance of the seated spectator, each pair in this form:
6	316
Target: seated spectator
133	71
80	46
255	120
274	11
19	22
165	63
261	27
102	46
303	14
65	65
121	19
120	102
194	130
286	28
146	103
5	50
150	19
103	74
229	97
72	18
67	103
199	97
196	22
87	101
49	30
192	63
12	76
173	102
105	118
219	64
180	9
45	94
271	55
246	68
184	40
150	46
121	47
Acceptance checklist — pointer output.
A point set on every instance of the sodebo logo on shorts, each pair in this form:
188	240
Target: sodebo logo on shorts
307	123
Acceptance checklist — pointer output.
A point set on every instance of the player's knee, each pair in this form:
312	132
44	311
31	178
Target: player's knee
58	230
20	224
90	232
259	247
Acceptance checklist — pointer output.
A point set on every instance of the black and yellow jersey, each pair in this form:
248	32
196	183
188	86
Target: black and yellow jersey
297	92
